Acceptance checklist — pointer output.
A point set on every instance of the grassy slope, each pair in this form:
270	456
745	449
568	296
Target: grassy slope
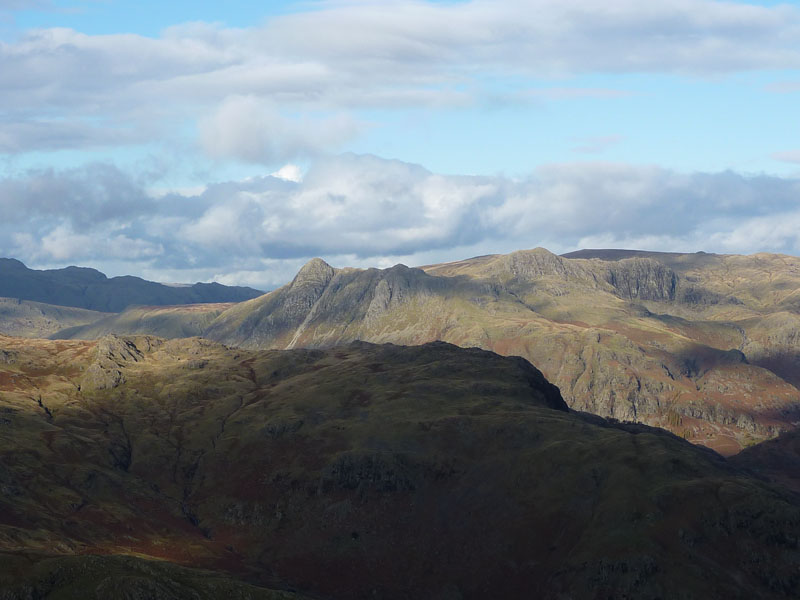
36	320
186	320
365	471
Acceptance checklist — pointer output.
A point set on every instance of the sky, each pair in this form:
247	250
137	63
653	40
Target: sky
233	141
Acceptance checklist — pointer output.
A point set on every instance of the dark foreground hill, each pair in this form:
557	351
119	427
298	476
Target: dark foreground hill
90	289
359	471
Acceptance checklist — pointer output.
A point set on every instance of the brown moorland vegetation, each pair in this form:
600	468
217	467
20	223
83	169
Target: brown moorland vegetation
358	471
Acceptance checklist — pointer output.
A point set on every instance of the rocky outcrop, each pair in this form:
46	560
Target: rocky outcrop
529	265
642	279
112	354
8	357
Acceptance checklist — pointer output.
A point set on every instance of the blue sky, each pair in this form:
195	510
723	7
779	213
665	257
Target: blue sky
396	131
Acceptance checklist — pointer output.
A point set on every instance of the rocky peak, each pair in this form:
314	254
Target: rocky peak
118	349
315	272
539	262
396	285
112	354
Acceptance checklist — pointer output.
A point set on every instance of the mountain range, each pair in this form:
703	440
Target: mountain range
704	345
80	287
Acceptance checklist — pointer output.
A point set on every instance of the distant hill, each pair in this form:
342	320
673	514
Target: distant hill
176	321
81	287
24	318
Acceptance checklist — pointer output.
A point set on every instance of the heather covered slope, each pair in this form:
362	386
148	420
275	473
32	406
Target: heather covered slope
90	289
632	338
368	471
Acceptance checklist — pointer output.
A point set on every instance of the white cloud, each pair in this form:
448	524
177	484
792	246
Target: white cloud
343	56
62	244
250	129
784	87
365	210
789	156
289	173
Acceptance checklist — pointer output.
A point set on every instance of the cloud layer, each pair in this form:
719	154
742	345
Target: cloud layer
64	89
364	210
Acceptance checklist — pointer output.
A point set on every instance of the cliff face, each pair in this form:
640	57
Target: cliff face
642	279
355	472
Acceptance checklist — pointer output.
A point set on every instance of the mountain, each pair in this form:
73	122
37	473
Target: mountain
358	471
86	288
707	346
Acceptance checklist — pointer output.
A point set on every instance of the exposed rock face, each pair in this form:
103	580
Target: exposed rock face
643	279
393	290
538	263
320	303
111	354
307	287
360	471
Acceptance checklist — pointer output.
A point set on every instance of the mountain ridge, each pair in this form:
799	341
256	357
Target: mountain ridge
705	345
611	313
82	287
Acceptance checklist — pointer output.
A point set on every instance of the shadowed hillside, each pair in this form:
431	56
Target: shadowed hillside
90	289
357	472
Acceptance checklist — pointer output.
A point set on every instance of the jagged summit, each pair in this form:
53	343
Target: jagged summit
314	269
